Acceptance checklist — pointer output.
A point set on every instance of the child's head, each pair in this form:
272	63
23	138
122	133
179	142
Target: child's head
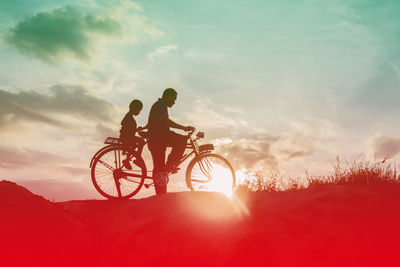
135	107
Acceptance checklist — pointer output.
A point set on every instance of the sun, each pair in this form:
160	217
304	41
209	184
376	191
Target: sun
221	181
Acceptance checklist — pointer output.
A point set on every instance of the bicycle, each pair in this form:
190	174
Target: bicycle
114	181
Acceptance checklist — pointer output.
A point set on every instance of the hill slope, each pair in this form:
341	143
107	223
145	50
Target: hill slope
326	225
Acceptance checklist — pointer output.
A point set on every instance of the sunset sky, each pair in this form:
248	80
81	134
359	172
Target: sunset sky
273	84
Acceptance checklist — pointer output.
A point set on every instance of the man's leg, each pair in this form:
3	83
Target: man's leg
178	143
158	154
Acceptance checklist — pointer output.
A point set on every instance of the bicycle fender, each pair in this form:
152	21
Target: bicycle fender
97	153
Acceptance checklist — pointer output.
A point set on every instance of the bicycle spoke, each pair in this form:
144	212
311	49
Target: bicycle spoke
106	165
132	181
211	173
103	172
199	181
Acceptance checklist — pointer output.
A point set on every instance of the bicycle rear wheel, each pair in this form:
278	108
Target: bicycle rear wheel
210	172
111	179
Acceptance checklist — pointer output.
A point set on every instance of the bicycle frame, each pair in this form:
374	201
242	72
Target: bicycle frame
118	168
192	145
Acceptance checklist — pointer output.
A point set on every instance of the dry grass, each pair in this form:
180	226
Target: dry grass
356	172
273	183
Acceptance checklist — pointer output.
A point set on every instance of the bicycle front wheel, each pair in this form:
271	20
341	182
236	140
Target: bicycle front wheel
111	179
210	172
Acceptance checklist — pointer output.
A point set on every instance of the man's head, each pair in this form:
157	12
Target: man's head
135	107
169	96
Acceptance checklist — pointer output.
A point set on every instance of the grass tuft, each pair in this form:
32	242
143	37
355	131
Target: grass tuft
356	172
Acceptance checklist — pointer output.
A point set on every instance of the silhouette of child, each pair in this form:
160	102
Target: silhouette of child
128	132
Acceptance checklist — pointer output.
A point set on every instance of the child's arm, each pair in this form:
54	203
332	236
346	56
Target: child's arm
142	128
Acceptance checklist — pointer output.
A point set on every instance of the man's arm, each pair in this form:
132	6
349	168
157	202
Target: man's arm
173	124
141	128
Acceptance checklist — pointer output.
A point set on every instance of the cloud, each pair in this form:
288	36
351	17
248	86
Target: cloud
161	51
293	145
33	164
262	152
381	146
61	33
131	16
16	158
303	139
102	132
61	100
250	154
252	148
204	114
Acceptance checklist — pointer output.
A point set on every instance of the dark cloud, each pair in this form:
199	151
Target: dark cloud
294	145
384	146
249	154
298	154
67	100
260	153
61	32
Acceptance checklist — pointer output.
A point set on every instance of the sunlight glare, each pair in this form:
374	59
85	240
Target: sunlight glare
221	181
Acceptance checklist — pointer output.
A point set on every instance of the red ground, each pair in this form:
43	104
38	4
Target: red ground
329	225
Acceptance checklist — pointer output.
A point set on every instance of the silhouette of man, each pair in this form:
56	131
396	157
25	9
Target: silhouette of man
160	136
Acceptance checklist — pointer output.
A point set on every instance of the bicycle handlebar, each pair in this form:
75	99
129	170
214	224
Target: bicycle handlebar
144	134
